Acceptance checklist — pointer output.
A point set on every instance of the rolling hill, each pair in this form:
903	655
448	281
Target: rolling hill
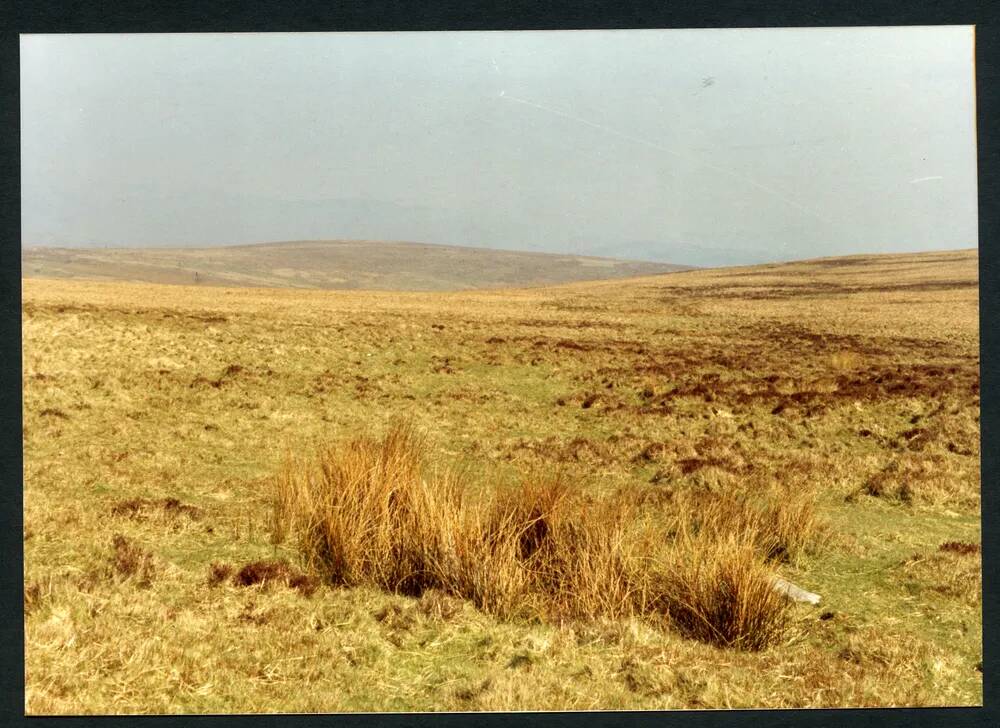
335	264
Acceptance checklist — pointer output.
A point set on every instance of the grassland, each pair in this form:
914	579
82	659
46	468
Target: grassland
157	417
331	265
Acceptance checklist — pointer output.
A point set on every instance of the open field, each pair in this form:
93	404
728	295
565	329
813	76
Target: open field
160	578
331	264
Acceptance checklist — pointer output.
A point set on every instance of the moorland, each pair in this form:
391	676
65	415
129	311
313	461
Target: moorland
332	264
669	442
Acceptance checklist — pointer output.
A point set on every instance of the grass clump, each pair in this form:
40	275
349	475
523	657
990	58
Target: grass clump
367	516
780	523
718	590
366	513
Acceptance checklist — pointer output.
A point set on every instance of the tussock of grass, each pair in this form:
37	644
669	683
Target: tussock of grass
367	513
218	573
915	478
33	596
780	523
954	573
718	590
139	508
367	516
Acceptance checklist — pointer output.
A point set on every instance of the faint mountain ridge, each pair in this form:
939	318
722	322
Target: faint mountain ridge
334	265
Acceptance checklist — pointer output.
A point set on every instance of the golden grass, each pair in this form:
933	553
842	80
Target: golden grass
718	590
842	361
365	514
162	414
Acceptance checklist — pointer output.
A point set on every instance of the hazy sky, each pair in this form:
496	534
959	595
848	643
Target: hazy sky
705	147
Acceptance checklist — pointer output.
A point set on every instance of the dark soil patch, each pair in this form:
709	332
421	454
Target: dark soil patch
218	572
201	381
269	572
690	465
232	370
960	547
131	560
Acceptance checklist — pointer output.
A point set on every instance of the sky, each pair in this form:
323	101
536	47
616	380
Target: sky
698	147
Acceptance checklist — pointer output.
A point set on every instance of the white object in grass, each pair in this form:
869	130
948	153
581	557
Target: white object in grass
793	592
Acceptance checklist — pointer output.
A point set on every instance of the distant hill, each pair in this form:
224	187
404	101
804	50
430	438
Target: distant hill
333	264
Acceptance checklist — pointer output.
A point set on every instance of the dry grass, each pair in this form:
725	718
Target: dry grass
718	590
780	522
129	560
718	405
366	514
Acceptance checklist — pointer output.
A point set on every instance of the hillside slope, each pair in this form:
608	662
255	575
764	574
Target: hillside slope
340	264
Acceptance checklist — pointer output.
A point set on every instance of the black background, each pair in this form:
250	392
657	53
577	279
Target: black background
310	15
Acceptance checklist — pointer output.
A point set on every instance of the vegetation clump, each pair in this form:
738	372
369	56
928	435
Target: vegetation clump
368	513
